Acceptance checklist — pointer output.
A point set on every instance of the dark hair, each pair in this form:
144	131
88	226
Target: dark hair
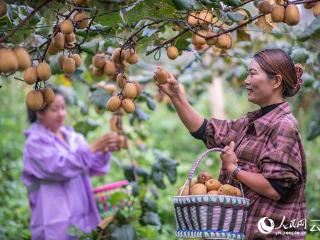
32	115
277	61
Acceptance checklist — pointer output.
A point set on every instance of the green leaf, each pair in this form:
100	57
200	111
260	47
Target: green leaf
125	232
151	218
235	16
187	4
86	126
232	3
151	103
117	198
99	97
313	131
149	205
300	55
312	31
91	47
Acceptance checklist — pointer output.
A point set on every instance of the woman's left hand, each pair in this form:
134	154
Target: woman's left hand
229	158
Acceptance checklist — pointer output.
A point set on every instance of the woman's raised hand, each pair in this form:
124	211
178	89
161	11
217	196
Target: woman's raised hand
106	142
172	87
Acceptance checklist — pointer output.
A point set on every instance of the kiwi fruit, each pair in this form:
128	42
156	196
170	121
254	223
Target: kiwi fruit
161	76
238	192
69	65
116	56
80	2
185	191
130	90
35	100
264	6
211	40
61	59
292	15
59	40
8	61
122	79
23	57
53	49
205	17
316	10
172	52
99	60
198	40
110	68
30	75
48	95
3	8
131	56
198	189
278	13
192	19
97	72
224	41
213	192
113	104
77	59
308	5
227	189
139	88
66	26
44	71
213	184
203	177
70	38
128	105
82	20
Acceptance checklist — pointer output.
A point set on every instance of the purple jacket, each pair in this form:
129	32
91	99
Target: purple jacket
56	175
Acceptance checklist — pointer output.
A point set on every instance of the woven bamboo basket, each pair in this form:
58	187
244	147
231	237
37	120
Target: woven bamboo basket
210	216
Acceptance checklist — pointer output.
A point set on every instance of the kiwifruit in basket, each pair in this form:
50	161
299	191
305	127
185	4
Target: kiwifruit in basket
198	189
213	184
227	189
203	177
213	192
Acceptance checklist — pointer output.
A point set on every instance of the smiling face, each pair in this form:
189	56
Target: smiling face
261	89
54	115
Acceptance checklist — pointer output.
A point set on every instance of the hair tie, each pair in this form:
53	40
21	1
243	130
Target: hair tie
299	73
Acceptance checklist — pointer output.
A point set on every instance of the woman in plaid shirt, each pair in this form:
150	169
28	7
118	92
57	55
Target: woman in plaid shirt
265	144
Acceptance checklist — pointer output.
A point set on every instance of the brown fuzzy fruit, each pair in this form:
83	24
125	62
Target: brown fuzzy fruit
82	20
131	56
308	5
172	52
203	177
3	8
199	40
48	95
70	38
205	17
192	19
185	191
53	49
66	26
316	10
130	90
198	189
213	184
116	56
238	192
224	41
69	65
59	40
80	2
122	79
292	15
8	61
110	68
211	40
61	59
139	88
113	104
213	192
161	76
97	72
227	189
128	105
99	60
30	75
44	71
23	57
34	100
77	59
278	13
264	6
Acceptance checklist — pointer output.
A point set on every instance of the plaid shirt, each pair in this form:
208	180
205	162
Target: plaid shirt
270	145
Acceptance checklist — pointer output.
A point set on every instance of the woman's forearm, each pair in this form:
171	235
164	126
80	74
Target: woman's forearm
190	118
258	183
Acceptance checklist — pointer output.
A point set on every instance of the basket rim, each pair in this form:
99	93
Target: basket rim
210	196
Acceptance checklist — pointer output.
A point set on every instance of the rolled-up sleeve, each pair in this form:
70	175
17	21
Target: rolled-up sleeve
220	133
282	159
101	164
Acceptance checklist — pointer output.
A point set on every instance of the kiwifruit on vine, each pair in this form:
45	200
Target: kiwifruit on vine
278	13
8	61
224	41
131	56
69	65
34	100
292	15
48	95
81	2
199	18
316	9
3	8
82	20
172	52
110	68
66	26
77	59
43	71
161	76
128	105
113	104
122	79
30	75
23	58
264	6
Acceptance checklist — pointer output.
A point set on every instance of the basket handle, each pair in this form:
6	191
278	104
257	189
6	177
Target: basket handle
196	164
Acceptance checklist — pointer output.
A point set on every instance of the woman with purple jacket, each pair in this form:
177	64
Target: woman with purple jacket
57	165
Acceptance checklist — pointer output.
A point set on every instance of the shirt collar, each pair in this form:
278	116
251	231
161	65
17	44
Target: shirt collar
262	123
